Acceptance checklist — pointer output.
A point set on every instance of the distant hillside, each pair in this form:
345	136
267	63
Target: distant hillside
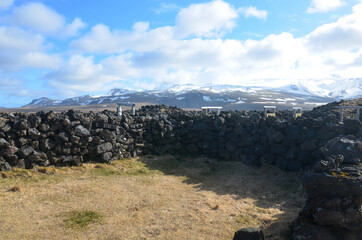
307	94
189	96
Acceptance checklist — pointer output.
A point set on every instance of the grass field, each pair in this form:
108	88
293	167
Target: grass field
148	198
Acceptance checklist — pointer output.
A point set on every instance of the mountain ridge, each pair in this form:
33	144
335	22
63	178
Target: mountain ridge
228	96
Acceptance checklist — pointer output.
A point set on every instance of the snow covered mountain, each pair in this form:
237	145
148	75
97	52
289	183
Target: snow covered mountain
332	88
307	95
119	91
43	102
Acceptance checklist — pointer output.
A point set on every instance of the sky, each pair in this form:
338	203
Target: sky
67	48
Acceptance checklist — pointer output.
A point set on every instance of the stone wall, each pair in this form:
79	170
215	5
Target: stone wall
72	137
333	209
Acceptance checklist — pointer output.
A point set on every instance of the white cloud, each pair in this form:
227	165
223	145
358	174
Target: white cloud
345	33
38	17
20	48
165	7
99	40
253	12
9	84
102	40
140	27
18	40
43	19
79	73
209	19
4	4
324	5
73	28
161	58
190	53
78	68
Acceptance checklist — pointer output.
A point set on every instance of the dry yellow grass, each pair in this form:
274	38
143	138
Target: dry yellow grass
148	198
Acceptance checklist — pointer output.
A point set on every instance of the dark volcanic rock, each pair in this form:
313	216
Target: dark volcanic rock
106	157
3	143
349	147
25	151
8	152
351	126
102	148
5	166
81	131
334	188
249	234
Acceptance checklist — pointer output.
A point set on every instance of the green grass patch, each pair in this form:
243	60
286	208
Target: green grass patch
124	167
80	219
104	171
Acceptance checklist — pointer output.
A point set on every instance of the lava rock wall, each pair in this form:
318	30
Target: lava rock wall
72	137
333	210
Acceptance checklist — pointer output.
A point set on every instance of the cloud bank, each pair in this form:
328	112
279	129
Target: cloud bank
193	50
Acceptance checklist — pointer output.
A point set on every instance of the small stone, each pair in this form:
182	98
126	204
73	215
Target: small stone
43	127
107	135
102	148
3	143
65	122
106	156
9	152
81	131
34	133
26	150
68	159
5	167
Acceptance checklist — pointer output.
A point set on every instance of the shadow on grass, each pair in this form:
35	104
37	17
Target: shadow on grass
268	186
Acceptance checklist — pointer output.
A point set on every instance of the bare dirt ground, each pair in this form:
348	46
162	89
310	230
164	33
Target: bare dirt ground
151	197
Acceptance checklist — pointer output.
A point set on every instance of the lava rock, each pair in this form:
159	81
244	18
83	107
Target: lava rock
25	151
249	234
3	143
102	148
8	152
81	131
350	147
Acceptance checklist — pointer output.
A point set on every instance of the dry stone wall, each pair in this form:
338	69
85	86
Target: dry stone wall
70	138
333	210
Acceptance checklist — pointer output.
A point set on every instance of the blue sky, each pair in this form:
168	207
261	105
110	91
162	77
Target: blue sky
65	48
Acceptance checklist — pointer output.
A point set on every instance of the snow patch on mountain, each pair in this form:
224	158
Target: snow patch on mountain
120	91
308	92
206	98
